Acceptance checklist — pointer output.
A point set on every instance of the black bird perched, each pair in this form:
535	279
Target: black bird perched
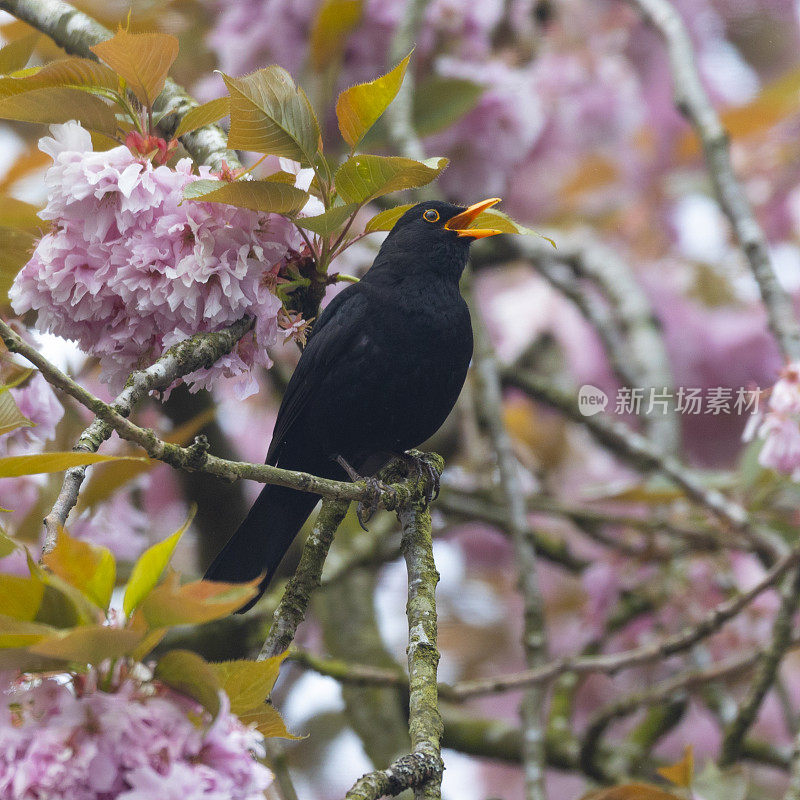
382	369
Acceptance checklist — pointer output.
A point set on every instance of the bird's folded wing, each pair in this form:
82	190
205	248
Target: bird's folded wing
331	337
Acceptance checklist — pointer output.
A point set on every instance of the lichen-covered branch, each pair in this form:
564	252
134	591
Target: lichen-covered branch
196	456
292	608
181	359
693	102
77	32
533	638
422	768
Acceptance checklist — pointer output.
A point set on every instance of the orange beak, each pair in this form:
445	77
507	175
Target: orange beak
460	222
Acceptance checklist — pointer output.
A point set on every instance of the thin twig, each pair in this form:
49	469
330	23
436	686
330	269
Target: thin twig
693	102
533	639
768	669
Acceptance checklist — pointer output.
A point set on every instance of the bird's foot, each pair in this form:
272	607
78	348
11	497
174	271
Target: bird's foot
366	509
421	466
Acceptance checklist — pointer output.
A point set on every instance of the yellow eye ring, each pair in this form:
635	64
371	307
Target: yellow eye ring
431	215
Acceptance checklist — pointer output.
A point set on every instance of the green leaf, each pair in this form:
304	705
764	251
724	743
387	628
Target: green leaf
188	673
15	55
268	722
88	644
200	601
365	177
60	104
205	114
142	59
269	114
333	21
441	101
11	417
491	218
147	571
19	214
75	73
267	196
248	683
14	466
715	784
7	545
63	605
329	221
386	220
16	247
86	566
359	107
21	633
20	597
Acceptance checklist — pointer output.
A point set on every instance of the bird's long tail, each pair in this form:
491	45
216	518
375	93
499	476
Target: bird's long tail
261	541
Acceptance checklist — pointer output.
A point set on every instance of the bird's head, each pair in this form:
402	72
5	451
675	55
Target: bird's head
436	234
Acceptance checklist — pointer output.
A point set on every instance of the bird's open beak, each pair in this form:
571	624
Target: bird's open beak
460	222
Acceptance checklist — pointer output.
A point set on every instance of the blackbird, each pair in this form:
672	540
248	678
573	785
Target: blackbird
382	369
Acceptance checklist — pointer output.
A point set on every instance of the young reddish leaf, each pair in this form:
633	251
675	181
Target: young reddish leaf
359	107
205	114
364	177
269	114
15	55
266	195
248	683
200	601
11	417
190	674
60	104
20	597
147	571
142	59
329	221
14	466
630	791
681	772
88	567
334	20
385	220
87	644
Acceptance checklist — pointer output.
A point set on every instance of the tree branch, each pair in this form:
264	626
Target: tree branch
292	608
533	638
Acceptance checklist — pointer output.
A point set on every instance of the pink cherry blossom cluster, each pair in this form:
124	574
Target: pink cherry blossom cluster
141	741
129	269
780	426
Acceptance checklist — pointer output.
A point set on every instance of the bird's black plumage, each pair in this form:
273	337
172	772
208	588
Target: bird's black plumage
381	371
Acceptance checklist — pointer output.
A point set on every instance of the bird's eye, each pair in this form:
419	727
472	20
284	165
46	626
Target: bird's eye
431	215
